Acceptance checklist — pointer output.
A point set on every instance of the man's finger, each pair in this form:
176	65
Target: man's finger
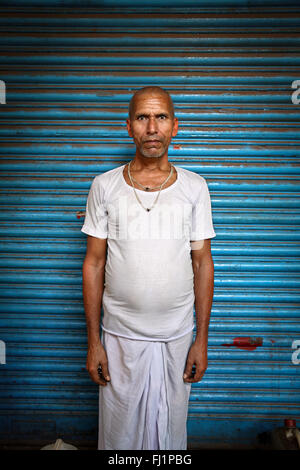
189	371
96	377
195	375
199	374
103	371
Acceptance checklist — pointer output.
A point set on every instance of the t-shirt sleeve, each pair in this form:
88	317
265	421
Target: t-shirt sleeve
95	222
202	223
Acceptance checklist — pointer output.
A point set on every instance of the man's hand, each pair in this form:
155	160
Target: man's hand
198	358
96	358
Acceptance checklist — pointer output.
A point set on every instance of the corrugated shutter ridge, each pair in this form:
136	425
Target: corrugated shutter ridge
69	75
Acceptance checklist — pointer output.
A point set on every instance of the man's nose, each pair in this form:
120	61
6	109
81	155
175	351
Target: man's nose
152	126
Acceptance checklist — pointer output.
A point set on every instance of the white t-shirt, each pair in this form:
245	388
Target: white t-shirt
148	292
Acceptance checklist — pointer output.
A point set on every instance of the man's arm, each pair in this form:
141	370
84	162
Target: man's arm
203	268
93	270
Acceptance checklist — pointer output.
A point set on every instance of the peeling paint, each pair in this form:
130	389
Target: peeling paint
246	343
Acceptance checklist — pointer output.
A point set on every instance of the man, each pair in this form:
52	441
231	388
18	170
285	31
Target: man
148	263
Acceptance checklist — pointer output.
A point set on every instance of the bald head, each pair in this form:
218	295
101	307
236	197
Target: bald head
150	90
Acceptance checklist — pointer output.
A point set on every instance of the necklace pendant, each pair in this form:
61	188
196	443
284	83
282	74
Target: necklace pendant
148	209
147	189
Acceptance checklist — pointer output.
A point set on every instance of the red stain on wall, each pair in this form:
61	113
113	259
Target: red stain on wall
80	214
247	343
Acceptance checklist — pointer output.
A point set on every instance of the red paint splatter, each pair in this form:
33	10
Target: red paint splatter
177	147
247	343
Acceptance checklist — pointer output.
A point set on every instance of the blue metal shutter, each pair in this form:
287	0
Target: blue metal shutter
70	72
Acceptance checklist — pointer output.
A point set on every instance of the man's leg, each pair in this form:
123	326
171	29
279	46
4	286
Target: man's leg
145	404
178	391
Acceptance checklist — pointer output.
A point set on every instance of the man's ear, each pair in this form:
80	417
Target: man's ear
128	124
175	127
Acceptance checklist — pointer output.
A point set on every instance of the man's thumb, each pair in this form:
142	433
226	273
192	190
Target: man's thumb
187	371
105	372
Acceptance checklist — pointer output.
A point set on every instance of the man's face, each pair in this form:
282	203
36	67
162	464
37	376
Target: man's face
152	125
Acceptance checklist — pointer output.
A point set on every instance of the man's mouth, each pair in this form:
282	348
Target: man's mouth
152	142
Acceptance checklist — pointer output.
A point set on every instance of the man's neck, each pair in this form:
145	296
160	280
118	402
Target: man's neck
150	165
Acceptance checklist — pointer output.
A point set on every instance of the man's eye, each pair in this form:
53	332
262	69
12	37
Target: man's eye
141	118
162	116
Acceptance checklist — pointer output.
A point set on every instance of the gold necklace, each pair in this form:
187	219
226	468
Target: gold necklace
146	188
148	209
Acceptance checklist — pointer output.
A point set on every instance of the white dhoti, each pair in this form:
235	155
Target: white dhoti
145	404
